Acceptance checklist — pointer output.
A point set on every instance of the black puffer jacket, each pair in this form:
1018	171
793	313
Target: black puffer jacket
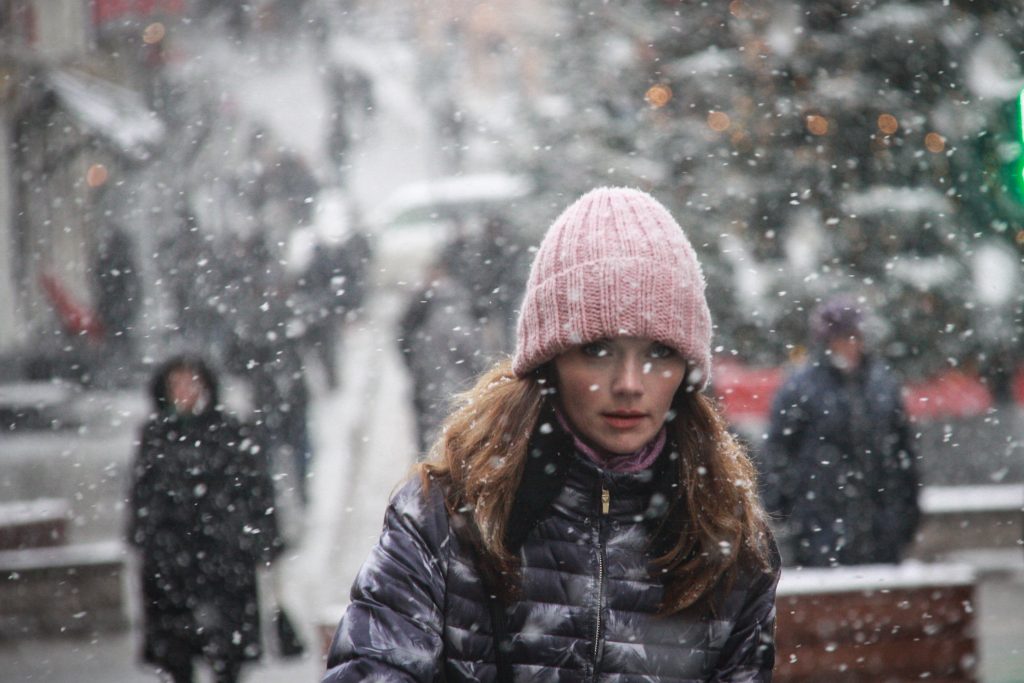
839	465
587	607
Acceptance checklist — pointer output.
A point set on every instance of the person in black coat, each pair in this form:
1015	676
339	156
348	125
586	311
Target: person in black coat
201	514
839	462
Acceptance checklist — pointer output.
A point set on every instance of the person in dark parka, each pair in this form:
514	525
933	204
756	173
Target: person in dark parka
201	514
585	515
839	462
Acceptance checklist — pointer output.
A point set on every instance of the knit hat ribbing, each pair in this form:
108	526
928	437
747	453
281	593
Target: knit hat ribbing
615	263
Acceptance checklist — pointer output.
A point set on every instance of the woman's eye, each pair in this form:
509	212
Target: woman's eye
661	351
595	350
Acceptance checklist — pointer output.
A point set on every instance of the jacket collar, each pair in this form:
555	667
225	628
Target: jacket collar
551	457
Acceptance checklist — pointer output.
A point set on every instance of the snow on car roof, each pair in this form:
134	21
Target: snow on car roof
710	60
454	191
899	199
893	17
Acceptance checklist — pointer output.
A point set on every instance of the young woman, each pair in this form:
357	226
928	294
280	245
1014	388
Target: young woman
585	515
202	516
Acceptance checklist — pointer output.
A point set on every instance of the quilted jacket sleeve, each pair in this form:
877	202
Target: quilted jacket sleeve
392	629
749	653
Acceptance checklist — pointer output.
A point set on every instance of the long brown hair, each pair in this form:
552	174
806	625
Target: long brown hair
482	450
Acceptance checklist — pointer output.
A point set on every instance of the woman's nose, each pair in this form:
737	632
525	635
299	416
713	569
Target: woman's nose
629	376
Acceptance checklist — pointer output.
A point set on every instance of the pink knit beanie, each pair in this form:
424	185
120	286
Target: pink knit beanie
615	263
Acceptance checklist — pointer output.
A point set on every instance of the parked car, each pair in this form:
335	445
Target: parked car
411	227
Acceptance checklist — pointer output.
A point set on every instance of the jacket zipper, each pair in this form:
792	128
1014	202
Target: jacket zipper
606	498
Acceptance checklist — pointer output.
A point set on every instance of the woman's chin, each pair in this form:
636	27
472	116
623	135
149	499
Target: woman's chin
624	444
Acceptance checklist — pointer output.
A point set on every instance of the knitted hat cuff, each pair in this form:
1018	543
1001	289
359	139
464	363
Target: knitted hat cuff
614	263
622	296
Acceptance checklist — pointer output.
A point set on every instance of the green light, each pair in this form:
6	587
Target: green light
1020	126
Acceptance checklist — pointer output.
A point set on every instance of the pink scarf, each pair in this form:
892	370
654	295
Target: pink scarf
615	462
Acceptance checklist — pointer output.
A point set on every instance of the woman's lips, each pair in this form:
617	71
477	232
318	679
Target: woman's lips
623	421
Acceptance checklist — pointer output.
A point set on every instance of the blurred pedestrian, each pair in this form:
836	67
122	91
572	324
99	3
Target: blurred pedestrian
839	462
339	142
352	98
191	262
283	188
439	345
280	396
356	257
266	348
201	514
585	514
319	301
450	124
118	290
491	267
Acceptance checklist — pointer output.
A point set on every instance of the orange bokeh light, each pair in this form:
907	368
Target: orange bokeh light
153	33
816	124
718	121
935	143
96	175
888	124
658	95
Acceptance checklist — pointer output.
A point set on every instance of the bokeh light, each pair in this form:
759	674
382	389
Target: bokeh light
153	33
816	124
658	95
888	124
718	121
737	9
934	142
96	175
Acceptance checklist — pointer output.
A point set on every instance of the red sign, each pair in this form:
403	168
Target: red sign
746	393
76	318
105	11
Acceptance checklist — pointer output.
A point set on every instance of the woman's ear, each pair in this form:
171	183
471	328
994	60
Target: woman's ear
693	379
547	378
684	397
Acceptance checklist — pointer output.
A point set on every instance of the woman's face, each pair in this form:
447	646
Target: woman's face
617	392
187	391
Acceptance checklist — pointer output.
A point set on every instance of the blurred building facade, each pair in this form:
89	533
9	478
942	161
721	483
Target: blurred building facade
69	132
35	35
